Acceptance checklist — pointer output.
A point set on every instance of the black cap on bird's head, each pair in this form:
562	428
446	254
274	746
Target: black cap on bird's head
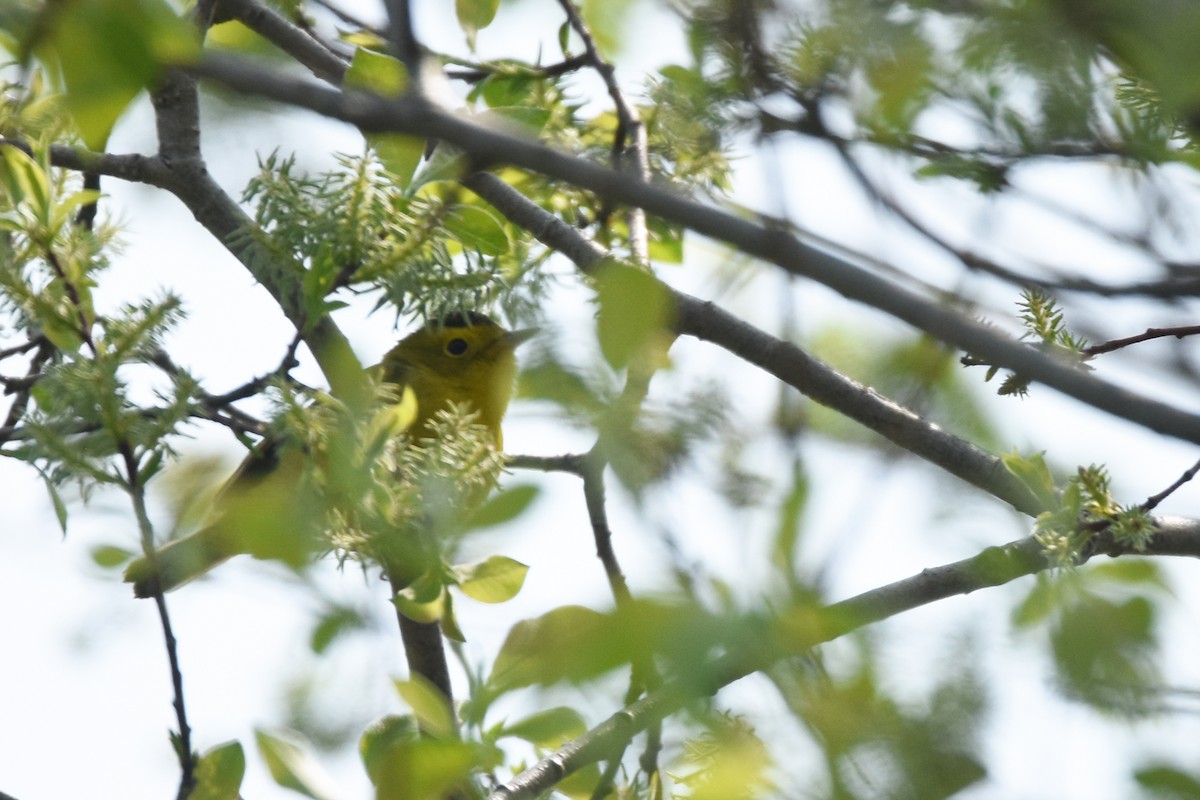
471	319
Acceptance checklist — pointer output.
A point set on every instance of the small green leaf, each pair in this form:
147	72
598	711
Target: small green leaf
1130	571
219	773
400	154
60	505
666	242
333	623
381	736
495	580
423	600
475	15
428	705
564	39
1168	783
501	90
110	556
424	769
292	768
450	626
376	72
477	229
549	728
635	309
553	647
1038	604
503	507
1033	472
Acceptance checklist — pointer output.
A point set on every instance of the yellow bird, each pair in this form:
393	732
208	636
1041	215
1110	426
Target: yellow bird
466	360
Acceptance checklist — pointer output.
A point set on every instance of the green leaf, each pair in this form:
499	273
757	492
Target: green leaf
666	241
428	705
1038	604
1168	783
60	505
495	580
423	600
503	507
477	229
381	736
332	624
376	72
109	50
24	181
548	729
424	769
1131	571
219	773
635	310
1105	650
1033	472
110	556
400	154
449	620
475	15
606	19
291	767
554	647
500	90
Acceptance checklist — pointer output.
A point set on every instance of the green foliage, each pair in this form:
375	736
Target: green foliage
876	746
856	75
1076	513
1169	783
427	255
1101	623
84	413
475	15
727	761
107	51
633	316
219	773
292	767
1043	320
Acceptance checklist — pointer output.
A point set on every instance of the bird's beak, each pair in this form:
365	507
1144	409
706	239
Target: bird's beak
516	338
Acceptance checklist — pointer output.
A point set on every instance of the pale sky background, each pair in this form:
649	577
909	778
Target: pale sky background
85	699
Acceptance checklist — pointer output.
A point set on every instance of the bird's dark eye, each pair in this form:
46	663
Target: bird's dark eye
456	347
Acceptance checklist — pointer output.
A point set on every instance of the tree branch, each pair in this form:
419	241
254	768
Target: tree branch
993	566
785	361
277	29
418	115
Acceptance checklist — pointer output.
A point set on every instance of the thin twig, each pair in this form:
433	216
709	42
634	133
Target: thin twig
481	72
630	152
20	402
1151	333
136	488
1153	501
